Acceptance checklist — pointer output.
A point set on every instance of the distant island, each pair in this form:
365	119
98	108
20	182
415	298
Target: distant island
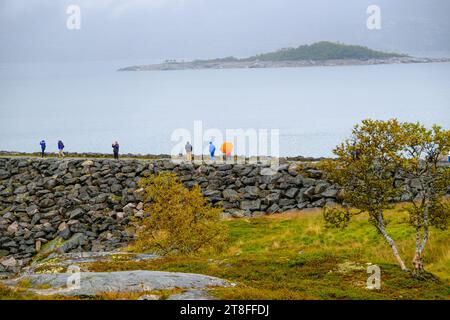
322	53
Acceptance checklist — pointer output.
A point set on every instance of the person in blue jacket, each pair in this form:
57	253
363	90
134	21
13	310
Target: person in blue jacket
212	150
60	149
42	143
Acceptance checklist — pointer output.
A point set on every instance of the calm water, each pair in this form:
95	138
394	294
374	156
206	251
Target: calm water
89	105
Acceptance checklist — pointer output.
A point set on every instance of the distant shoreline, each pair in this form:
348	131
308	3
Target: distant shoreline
129	156
240	64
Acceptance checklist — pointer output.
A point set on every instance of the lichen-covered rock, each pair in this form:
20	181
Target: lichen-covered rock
251	204
92	283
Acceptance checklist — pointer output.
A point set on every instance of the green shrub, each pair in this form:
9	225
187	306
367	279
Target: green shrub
178	220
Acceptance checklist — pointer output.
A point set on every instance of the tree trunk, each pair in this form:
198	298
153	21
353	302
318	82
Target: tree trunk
421	241
390	241
417	263
420	246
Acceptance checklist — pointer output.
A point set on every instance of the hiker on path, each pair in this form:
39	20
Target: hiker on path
212	150
226	148
42	143
188	148
115	147
60	149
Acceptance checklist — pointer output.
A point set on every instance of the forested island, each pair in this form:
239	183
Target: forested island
317	54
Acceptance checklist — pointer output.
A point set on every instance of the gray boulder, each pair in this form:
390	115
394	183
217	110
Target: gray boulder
77	240
321	187
252	191
291	193
251	204
287	202
273	208
230	194
272	198
20	190
236	213
330	193
46	203
92	283
309	193
76	213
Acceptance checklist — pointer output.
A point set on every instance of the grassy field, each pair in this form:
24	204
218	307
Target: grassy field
293	256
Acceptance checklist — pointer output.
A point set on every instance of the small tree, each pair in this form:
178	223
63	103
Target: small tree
420	163
178	220
369	166
366	169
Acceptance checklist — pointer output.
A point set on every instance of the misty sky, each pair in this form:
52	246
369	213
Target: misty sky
35	30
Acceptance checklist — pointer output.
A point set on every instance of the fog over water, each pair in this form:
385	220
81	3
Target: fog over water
88	105
57	83
35	30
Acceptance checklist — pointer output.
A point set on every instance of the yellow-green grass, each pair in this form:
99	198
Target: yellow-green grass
293	256
21	293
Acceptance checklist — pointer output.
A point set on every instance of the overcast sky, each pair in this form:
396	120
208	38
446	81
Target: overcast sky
35	30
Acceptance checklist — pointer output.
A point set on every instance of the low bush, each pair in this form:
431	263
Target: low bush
177	220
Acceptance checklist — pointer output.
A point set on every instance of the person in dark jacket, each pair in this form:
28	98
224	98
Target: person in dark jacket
42	143
60	149
188	148
115	147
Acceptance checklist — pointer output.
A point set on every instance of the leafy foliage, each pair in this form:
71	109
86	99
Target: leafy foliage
324	50
335	218
293	256
365	167
179	220
318	51
371	165
420	162
422	149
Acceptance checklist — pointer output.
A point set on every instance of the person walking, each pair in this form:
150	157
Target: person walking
42	143
60	149
226	148
188	148
212	150
115	147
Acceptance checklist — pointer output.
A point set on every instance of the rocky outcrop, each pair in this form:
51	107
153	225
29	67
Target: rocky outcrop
92	283
69	274
253	63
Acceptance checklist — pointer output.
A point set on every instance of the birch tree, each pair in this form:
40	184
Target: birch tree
429	181
369	167
366	169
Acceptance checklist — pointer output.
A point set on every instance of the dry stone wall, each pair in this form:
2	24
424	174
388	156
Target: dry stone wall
88	204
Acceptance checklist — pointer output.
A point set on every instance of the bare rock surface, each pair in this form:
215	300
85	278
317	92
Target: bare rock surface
60	262
92	283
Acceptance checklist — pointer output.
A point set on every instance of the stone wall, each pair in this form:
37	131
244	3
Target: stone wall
79	204
88	203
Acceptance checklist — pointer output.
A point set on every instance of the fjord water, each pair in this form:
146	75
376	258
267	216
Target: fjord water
89	105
